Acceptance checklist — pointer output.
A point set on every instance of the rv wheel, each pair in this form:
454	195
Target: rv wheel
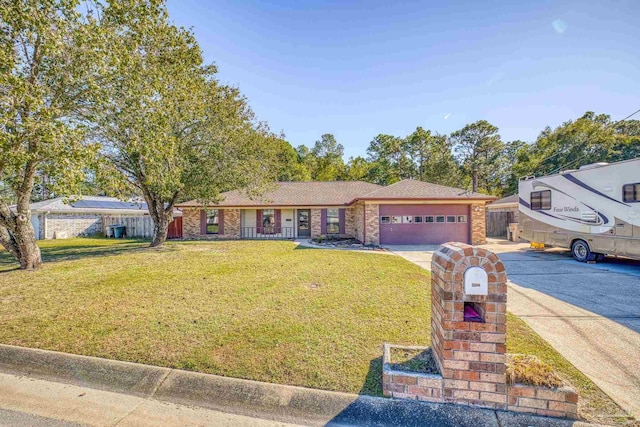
581	252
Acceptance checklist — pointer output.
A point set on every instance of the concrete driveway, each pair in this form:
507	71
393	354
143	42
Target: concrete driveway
590	313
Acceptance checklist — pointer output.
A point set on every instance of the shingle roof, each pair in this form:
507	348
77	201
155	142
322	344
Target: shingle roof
412	189
332	193
337	193
513	199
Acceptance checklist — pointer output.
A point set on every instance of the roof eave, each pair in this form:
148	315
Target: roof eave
270	205
426	198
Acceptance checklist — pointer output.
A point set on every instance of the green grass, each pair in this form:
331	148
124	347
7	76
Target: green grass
266	311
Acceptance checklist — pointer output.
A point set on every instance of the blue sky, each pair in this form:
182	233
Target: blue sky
360	68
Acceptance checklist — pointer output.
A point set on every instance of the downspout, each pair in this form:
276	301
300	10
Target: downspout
44	225
364	223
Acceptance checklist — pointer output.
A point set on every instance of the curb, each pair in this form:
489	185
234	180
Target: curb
290	404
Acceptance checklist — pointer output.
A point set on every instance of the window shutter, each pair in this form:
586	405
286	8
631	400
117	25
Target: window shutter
220	222
323	221
278	219
259	221
203	222
341	216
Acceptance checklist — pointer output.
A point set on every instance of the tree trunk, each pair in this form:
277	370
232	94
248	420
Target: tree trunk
30	258
474	181
9	243
161	216
160	228
22	243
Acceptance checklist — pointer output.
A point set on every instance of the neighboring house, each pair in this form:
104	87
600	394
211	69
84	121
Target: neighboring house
500	214
407	212
65	217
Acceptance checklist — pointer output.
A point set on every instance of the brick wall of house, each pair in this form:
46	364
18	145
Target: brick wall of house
191	225
231	224
358	217
478	224
471	355
372	224
350	222
63	226
316	228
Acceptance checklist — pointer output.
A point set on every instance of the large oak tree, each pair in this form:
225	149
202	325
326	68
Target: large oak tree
169	130
49	72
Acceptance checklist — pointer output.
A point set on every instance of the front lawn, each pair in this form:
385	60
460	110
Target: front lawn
267	311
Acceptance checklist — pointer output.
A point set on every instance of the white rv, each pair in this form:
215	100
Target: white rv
594	210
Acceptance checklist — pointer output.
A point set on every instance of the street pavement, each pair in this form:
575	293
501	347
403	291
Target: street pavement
590	313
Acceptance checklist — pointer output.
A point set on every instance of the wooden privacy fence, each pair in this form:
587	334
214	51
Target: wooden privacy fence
139	226
497	223
136	226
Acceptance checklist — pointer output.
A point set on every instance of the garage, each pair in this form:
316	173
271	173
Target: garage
425	224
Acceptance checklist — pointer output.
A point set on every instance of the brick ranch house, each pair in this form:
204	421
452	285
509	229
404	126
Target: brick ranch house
407	212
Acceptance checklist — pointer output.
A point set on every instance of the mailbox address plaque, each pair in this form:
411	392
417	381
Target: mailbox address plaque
475	281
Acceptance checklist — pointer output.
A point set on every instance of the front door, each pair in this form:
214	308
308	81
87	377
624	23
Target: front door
304	223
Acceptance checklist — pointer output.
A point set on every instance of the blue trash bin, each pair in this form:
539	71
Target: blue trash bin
118	231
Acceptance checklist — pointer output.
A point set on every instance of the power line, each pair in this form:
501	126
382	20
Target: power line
630	115
558	153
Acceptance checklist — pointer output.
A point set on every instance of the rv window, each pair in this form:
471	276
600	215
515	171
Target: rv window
631	192
541	200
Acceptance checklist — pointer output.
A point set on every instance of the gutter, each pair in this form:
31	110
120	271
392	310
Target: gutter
44	225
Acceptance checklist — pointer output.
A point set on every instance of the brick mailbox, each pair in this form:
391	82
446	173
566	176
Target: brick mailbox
468	335
469	325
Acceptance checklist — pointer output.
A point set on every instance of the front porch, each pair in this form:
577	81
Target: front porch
268	224
268	233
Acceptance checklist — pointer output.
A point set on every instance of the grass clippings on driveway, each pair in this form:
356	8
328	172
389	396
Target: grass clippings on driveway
267	311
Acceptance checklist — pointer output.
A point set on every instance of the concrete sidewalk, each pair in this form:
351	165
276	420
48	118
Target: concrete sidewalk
31	402
605	351
40	387
52	404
